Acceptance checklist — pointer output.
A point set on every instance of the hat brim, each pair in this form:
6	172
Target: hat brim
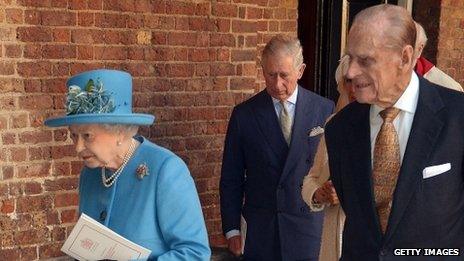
103	118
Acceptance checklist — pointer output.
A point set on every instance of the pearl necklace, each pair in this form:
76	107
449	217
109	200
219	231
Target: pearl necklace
108	182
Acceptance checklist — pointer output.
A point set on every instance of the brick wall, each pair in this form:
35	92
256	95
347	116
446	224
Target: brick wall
191	62
451	39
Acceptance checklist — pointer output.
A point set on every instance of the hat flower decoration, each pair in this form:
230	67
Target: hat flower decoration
100	97
93	99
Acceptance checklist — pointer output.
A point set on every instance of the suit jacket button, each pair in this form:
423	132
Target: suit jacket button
383	252
103	215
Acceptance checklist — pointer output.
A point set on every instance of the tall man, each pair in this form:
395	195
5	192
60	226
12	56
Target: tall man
269	147
396	154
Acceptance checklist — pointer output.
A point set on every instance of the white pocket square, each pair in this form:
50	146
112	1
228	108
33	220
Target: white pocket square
316	131
433	171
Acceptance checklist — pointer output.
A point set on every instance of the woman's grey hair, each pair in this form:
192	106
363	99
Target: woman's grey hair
421	40
285	44
398	28
130	130
341	70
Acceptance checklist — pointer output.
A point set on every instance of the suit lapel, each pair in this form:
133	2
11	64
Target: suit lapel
424	134
269	125
301	119
358	162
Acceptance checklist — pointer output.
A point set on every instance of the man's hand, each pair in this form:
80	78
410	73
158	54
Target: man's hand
235	245
326	194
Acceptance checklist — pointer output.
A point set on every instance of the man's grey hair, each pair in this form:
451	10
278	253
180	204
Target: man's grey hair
398	28
284	44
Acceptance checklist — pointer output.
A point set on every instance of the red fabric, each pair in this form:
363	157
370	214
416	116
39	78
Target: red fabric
423	66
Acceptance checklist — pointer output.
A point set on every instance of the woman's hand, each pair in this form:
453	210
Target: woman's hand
326	194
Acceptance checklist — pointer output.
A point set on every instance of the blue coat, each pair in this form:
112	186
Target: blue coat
160	212
426	212
261	170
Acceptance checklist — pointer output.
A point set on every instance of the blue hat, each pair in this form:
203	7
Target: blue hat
100	97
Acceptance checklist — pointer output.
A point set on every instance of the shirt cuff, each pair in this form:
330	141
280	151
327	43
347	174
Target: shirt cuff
232	233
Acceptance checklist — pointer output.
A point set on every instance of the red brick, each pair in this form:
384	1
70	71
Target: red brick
33	170
63	151
29	253
222	40
7	206
14	16
36	102
39	153
33	51
63	169
8	172
243	26
85	18
182	23
6	68
222	69
178	7
12	50
202	9
288	26
9	34
66	200
116	5
18	154
34	34
57	18
31	69
110	53
110	20
61	35
223	25
224	10
180	38
68	183
32	188
34	3
32	236
254	13
243	55
58	51
10	254
202	70
68	216
58	234
33	203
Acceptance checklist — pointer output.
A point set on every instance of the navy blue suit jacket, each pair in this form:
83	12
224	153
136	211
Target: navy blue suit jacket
262	176
426	213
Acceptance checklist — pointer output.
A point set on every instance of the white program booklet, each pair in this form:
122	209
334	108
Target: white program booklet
90	240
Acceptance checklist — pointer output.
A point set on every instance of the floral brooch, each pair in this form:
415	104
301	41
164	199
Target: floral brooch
142	171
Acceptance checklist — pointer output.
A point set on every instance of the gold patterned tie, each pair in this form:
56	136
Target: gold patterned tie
285	122
386	165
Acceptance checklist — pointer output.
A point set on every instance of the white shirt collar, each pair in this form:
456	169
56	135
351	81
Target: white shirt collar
408	100
291	99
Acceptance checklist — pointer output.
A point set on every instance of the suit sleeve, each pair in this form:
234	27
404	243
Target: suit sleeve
333	151
232	176
179	214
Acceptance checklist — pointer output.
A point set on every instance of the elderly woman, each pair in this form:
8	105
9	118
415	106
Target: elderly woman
318	191
136	188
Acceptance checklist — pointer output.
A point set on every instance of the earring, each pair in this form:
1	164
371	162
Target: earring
119	143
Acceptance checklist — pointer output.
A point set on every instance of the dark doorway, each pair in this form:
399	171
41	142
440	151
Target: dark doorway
319	30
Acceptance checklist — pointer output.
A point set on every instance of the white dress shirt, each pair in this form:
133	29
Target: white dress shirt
291	105
407	103
290	102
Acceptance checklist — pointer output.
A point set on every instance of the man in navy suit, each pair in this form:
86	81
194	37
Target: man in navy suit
269	148
425	204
